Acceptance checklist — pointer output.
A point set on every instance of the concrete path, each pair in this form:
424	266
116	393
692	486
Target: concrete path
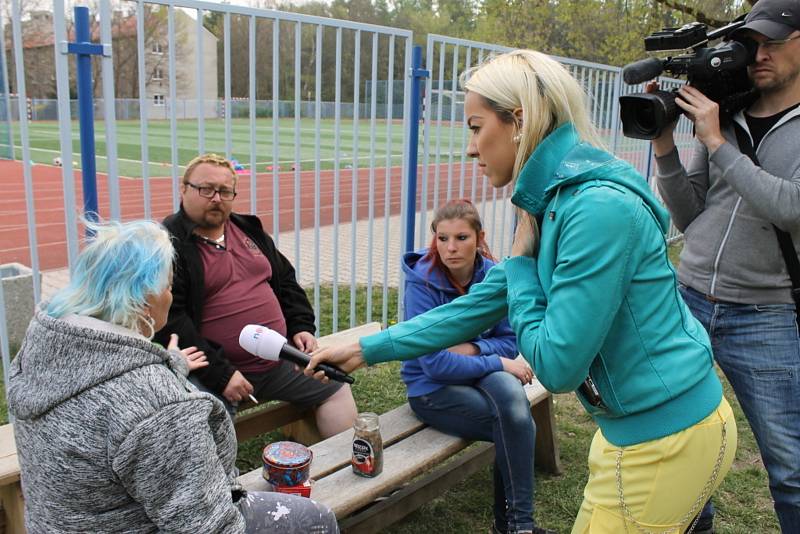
369	253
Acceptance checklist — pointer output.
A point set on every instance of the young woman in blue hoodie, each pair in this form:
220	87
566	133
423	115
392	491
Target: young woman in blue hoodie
463	390
593	299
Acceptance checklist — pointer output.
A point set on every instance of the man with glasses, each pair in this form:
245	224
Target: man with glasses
228	273
732	271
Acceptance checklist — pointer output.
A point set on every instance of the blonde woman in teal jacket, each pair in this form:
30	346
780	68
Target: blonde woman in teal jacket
593	299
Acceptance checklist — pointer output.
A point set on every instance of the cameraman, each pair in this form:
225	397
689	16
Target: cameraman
732	273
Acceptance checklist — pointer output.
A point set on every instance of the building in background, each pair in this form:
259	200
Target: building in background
39	56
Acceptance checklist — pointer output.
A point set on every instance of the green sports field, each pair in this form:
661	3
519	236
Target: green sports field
45	146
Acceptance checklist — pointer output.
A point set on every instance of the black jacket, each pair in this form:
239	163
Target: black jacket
188	288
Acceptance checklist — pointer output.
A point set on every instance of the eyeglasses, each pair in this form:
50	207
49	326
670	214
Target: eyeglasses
772	44
206	191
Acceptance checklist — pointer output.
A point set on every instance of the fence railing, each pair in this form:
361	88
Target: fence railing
126	109
322	144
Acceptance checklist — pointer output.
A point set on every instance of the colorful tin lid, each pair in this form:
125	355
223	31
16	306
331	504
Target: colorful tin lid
286	454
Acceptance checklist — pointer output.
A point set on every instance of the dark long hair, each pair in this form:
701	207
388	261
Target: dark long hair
460	209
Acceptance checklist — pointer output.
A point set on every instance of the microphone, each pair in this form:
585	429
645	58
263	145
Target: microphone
642	70
269	345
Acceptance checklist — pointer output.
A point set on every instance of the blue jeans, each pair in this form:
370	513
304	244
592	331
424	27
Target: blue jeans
494	408
758	349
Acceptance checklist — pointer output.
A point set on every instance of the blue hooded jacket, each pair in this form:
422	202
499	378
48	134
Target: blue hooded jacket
426	289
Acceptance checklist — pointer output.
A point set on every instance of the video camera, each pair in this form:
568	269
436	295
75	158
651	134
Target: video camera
719	72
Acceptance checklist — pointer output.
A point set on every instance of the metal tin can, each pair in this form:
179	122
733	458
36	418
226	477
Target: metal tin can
286	463
367	459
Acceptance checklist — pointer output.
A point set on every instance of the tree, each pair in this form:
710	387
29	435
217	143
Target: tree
714	14
604	31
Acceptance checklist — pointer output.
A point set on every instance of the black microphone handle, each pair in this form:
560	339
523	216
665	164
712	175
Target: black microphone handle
300	358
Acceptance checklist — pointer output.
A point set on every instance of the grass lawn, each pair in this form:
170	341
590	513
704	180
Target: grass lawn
45	143
743	503
446	140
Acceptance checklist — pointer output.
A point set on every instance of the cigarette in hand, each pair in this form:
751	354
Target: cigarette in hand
252	398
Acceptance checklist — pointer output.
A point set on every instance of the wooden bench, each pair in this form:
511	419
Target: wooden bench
10	490
411	449
415	467
297	424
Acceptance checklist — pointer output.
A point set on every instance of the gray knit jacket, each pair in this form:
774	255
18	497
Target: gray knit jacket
112	438
726	206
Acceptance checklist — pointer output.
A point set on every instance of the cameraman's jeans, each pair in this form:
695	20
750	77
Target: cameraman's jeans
758	349
494	409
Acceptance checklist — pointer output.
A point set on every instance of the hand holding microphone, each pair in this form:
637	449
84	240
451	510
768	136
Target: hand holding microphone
270	345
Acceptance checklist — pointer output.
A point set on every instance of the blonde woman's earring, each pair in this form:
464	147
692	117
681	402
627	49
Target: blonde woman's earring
517	138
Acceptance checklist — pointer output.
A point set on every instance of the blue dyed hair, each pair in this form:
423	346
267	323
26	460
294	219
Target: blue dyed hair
116	272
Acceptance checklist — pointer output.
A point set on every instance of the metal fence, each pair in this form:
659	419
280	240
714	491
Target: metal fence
341	220
447	172
126	109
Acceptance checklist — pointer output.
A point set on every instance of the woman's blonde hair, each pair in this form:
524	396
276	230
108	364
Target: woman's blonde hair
548	95
541	87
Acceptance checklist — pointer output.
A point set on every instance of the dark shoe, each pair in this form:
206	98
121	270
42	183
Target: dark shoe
705	520
704	526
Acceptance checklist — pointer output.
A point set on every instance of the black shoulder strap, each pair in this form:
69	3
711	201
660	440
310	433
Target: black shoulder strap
784	238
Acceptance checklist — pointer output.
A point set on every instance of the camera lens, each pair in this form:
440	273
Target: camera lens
644	115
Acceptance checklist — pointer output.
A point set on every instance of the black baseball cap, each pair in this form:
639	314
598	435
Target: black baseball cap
775	19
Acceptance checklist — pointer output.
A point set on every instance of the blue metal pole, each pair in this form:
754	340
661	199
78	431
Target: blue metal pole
418	74
86	113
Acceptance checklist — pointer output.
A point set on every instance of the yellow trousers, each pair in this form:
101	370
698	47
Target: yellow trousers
665	482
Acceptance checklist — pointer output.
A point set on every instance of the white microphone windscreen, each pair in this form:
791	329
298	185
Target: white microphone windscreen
261	341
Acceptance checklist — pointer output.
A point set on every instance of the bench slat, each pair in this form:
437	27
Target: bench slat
334	452
402	461
351	335
421	491
7	444
345	492
267	418
9	463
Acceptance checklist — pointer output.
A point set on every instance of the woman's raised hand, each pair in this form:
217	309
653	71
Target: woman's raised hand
195	358
348	358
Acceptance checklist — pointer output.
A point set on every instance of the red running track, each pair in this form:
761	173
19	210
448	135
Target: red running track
50	225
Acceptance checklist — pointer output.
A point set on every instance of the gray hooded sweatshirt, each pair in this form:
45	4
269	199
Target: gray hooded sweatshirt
725	205
112	438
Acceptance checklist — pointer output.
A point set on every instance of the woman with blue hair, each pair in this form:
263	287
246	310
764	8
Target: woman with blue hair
111	435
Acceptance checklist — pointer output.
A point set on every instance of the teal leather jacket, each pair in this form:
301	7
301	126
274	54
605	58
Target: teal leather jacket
599	300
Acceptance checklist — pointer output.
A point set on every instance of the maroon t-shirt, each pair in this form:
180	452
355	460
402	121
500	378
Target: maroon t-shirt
238	293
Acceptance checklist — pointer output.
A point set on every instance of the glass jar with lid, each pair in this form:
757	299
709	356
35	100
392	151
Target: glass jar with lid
367	459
